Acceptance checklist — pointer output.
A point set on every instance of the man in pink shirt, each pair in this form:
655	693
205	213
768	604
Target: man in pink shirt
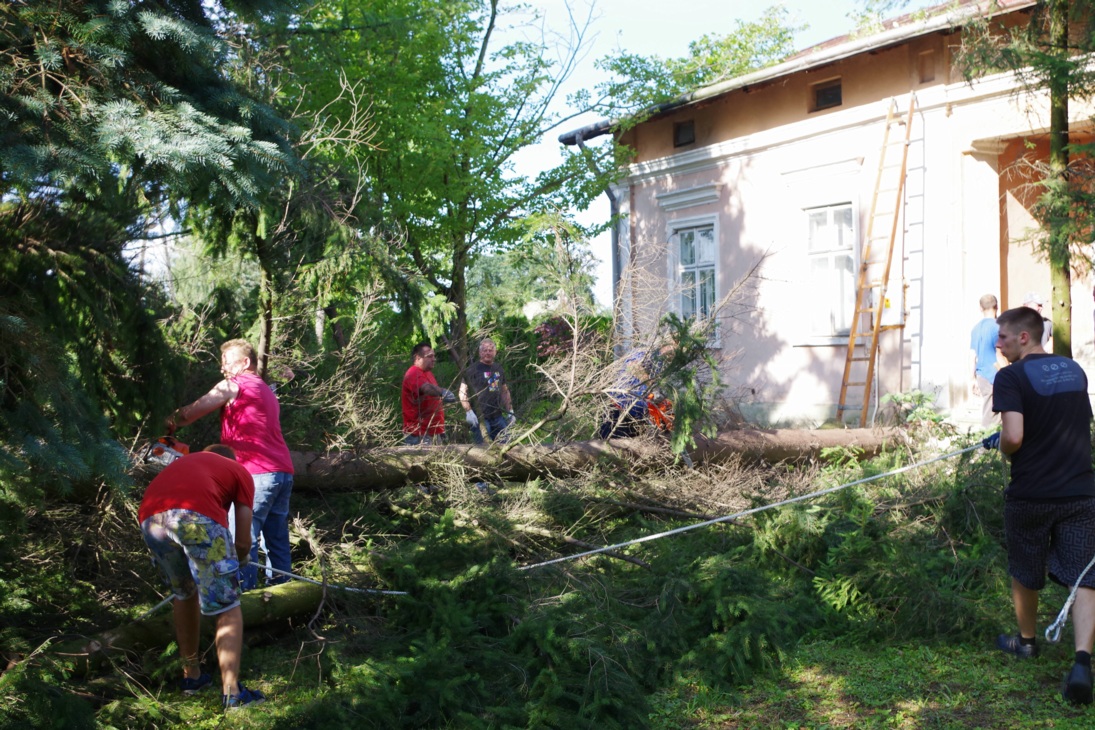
422	399
250	424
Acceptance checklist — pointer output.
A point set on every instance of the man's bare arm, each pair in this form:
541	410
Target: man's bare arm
1011	432
222	393
243	532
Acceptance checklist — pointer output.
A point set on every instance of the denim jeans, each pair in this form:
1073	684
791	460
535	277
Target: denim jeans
495	426
270	524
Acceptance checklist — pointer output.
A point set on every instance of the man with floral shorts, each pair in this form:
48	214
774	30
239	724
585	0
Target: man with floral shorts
184	521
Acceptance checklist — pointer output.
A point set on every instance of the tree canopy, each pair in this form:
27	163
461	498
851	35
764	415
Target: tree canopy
639	81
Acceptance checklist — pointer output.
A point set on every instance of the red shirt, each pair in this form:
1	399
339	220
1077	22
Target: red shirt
204	482
423	415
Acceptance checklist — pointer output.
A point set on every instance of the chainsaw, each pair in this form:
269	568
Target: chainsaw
165	450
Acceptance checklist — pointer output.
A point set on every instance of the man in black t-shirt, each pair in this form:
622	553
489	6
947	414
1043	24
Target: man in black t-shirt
1049	508
484	380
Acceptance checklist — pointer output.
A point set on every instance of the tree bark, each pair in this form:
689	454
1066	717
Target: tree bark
1059	234
393	467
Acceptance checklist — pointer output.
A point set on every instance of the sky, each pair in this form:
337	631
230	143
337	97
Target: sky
665	28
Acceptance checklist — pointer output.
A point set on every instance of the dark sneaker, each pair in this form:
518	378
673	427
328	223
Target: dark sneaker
1010	644
1078	685
190	686
245	698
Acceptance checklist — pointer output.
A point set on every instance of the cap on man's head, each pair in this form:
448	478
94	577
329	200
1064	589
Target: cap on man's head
1033	297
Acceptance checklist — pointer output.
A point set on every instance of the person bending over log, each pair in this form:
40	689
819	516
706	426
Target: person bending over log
184	521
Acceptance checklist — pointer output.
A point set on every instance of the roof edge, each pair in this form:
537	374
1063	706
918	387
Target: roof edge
948	17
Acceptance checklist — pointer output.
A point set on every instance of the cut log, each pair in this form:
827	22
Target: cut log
276	603
393	467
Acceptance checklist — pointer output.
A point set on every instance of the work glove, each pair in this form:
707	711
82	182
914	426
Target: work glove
472	419
992	442
510	419
448	396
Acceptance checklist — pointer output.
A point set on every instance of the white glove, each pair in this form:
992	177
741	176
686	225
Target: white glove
447	396
510	419
471	418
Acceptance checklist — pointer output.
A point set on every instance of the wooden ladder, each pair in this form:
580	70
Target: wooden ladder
874	273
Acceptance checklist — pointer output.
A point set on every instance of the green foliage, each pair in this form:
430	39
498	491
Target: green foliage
450	109
113	115
32	695
640	82
592	643
1048	51
914	407
689	376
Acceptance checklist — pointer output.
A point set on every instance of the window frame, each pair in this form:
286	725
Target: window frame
834	333
676	269
820	86
684	133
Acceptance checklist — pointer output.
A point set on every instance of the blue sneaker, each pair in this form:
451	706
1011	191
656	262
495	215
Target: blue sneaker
190	686
243	699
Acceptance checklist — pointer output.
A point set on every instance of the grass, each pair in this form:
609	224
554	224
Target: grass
839	684
682	642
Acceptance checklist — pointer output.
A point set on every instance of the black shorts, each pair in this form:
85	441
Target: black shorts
1059	536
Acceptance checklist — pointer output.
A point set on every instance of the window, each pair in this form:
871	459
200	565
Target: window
925	64
825	95
695	254
684	133
831	260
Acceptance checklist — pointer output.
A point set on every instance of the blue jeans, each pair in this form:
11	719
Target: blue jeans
270	522
495	426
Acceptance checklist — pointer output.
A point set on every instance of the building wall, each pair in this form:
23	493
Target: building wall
761	159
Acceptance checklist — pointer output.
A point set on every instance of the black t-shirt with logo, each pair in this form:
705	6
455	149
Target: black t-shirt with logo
1054	461
485	385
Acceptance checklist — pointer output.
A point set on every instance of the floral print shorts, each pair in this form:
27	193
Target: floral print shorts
195	552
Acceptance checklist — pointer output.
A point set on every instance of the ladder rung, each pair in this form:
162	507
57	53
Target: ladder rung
890	180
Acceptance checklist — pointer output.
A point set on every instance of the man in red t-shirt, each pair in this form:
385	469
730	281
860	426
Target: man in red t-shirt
184	522
422	399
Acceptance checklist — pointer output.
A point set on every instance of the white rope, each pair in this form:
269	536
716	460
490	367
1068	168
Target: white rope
1053	631
747	512
157	607
657	536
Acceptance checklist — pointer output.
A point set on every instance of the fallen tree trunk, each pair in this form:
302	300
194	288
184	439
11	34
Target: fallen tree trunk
273	604
392	467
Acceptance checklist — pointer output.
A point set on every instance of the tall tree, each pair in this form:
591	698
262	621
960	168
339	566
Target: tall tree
111	115
458	88
1051	54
